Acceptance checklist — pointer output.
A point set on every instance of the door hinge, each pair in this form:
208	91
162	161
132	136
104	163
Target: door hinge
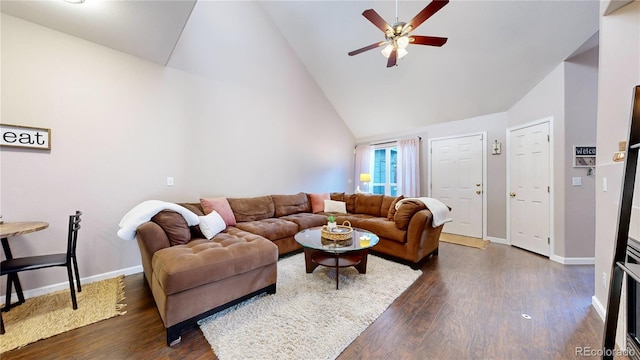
549	189
549	241
548	138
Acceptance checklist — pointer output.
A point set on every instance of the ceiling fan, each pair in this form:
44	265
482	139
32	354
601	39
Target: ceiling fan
397	37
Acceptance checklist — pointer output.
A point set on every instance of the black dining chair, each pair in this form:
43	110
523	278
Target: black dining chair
13	266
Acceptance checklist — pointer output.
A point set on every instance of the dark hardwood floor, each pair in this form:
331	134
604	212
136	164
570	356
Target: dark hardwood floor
468	304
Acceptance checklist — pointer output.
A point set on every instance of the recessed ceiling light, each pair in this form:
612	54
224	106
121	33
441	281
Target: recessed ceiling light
74	1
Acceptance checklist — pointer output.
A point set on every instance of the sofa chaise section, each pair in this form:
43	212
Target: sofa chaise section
193	280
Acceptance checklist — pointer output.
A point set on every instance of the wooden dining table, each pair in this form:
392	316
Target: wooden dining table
12	229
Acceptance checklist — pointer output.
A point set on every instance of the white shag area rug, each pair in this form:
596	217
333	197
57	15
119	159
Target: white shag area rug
307	318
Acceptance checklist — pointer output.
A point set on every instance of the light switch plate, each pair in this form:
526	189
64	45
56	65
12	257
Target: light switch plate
577	181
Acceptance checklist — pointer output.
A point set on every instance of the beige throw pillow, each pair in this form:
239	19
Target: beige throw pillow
211	224
335	206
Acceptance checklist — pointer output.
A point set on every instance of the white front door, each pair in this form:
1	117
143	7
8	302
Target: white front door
457	180
529	188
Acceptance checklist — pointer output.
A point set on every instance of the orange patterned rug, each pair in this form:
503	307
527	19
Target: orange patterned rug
44	316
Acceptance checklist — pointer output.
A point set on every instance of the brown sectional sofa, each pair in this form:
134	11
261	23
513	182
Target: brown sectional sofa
191	277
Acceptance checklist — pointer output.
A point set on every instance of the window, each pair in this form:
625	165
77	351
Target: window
385	161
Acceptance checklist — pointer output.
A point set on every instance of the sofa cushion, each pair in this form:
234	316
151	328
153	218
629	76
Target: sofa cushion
317	202
384	229
354	219
306	220
336	196
392	208
252	209
405	213
174	225
350	199
195	208
272	229
290	204
368	204
386	203
221	205
201	261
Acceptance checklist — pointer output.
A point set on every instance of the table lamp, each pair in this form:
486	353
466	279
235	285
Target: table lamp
365	179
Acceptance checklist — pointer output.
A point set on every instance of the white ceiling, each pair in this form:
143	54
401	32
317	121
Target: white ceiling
147	29
497	50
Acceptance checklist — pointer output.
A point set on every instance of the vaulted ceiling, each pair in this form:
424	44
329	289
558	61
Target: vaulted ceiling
497	50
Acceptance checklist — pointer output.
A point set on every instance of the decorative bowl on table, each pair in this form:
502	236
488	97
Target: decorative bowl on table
339	236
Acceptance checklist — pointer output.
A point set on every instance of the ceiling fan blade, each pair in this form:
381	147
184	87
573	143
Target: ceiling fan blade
377	20
426	13
392	58
367	48
427	40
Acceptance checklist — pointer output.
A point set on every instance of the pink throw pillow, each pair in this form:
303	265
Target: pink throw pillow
221	206
317	201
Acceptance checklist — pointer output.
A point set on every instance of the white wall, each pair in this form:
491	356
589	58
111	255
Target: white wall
581	98
254	123
494	125
619	65
547	100
568	96
258	95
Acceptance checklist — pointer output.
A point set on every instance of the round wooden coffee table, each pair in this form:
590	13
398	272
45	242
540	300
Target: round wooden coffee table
320	251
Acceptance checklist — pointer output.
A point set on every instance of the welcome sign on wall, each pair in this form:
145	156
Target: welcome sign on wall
25	137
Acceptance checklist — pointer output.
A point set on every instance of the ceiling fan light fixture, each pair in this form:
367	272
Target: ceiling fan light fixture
397	36
386	52
403	42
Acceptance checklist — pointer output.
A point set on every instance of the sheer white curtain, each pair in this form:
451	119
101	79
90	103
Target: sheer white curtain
408	170
362	163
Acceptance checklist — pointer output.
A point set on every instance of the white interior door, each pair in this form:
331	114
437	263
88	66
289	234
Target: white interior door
457	180
529	181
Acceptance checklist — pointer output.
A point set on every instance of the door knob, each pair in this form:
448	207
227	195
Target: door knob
512	194
478	192
478	184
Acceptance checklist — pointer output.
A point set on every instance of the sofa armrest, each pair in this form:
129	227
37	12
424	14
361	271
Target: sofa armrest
151	238
422	238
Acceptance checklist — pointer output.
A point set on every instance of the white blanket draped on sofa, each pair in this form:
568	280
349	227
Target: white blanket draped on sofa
144	211
439	210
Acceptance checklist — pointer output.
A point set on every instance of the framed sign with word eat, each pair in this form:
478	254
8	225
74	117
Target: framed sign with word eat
25	137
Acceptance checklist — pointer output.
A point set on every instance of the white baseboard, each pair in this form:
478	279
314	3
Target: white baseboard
88	280
556	258
602	313
573	260
598	306
497	240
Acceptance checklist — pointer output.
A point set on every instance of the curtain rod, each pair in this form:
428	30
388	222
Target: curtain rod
390	141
